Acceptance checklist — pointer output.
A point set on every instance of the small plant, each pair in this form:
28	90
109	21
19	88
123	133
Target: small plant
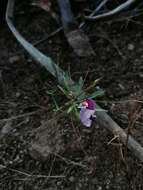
77	94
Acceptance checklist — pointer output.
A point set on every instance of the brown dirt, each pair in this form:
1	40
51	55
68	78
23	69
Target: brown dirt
24	87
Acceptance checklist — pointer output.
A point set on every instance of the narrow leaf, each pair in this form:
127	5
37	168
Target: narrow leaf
70	109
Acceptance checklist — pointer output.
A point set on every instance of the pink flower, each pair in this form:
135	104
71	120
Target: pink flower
87	111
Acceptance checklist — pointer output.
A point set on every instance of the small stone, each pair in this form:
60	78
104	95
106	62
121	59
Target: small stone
10	162
59	183
50	42
80	185
141	75
14	59
99	188
17	94
20	188
131	47
43	143
71	179
6	128
98	88
107	186
16	159
26	97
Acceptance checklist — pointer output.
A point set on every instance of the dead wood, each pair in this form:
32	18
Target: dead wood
113	12
75	36
106	121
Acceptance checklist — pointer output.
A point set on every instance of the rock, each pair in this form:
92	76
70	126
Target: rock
48	139
131	47
80	43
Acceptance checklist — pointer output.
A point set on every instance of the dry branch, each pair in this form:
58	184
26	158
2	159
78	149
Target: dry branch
30	175
113	12
75	36
106	121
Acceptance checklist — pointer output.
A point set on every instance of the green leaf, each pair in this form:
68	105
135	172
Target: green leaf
66	81
63	90
95	82
81	97
76	88
70	109
76	112
92	85
96	94
50	92
81	82
55	102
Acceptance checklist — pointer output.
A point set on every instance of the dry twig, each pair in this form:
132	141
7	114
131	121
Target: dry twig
113	12
29	175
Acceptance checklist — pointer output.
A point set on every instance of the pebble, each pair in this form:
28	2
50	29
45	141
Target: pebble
14	59
80	185
141	75
17	94
99	188
17	158
131	47
20	188
59	183
71	179
6	128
